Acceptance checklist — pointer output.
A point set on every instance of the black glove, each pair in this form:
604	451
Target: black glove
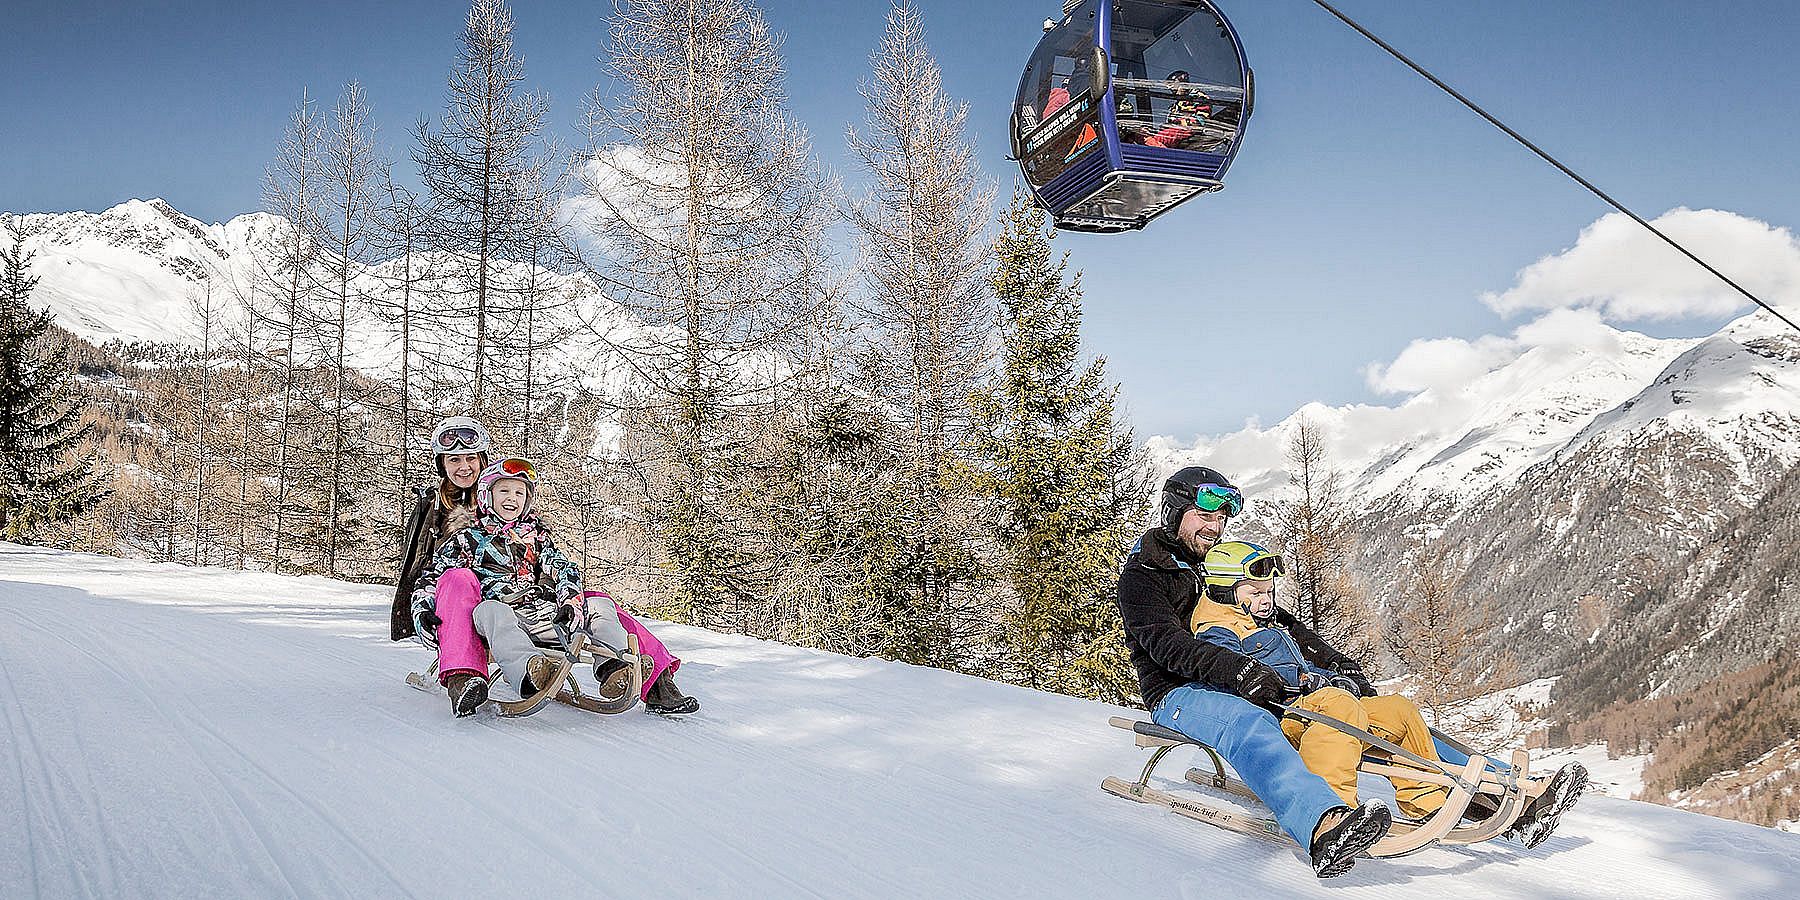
564	615
1259	684
429	621
1348	670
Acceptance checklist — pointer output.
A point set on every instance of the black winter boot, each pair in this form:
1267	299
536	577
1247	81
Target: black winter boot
664	698
1541	815
1343	833
467	693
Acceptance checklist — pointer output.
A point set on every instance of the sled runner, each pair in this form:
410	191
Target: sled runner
565	687
1504	790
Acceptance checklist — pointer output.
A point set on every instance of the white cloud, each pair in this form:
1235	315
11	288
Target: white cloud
1440	363
1627	274
1570	329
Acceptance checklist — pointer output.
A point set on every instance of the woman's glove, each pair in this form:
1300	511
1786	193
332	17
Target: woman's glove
429	622
565	614
1348	670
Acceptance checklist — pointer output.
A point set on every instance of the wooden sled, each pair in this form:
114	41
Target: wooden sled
576	651
1507	791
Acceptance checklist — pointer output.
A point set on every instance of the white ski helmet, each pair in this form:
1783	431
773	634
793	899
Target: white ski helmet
460	434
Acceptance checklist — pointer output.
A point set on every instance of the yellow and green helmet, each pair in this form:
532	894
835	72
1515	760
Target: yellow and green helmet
1234	561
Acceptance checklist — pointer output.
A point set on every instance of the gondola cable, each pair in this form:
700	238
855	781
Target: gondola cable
1551	159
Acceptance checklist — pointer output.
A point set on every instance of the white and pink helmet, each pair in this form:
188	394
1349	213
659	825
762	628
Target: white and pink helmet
511	467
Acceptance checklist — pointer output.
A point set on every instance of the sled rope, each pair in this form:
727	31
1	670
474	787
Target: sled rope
1551	160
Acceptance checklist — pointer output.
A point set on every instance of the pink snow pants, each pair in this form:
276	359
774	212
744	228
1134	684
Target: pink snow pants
460	649
647	643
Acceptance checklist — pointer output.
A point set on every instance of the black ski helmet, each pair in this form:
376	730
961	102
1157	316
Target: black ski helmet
1178	493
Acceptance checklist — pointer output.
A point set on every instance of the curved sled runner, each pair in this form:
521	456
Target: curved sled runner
1505	790
565	688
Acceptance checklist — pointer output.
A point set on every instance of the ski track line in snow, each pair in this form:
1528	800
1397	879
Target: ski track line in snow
228	789
194	715
18	725
110	843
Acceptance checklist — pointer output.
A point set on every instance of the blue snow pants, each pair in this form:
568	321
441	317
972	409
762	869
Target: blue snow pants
1251	741
1454	757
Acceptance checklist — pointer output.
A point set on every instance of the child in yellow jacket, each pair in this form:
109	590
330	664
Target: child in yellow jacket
1239	612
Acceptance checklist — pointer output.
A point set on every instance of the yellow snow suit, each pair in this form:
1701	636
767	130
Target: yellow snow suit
1329	753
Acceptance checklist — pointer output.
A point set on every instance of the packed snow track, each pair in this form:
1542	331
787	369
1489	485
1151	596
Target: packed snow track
180	732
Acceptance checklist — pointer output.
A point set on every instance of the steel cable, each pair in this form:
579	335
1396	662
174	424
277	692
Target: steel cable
1550	159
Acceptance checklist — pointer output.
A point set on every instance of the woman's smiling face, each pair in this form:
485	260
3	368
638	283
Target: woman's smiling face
462	469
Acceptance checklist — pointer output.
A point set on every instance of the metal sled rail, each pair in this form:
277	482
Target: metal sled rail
1403	837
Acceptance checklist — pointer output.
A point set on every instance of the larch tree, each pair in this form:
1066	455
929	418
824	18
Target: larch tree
1316	536
484	178
703	204
928	315
282	299
345	234
1434	632
40	413
1066	489
396	304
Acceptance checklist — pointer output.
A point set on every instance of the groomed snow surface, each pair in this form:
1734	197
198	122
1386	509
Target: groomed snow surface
179	732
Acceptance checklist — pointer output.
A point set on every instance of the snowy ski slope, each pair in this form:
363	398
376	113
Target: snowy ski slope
176	732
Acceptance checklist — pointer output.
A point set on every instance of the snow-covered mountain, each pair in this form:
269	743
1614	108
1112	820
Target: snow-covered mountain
1450	443
128	273
1622	509
177	731
137	272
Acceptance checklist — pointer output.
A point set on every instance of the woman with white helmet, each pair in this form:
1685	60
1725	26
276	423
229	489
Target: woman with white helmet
460	446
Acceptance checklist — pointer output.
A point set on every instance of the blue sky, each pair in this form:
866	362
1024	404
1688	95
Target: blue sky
1365	212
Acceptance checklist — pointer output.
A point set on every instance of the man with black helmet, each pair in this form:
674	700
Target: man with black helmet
1218	696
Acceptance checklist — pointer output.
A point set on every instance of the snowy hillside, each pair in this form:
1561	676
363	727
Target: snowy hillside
200	732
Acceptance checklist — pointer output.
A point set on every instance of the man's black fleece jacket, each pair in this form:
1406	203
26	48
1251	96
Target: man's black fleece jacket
1158	587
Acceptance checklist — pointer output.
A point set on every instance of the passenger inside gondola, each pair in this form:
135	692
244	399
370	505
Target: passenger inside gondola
1188	114
1070	85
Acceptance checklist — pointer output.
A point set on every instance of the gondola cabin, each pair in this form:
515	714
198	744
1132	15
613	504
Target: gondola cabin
1129	107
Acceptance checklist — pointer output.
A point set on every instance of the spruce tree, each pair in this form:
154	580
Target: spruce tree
40	416
1067	487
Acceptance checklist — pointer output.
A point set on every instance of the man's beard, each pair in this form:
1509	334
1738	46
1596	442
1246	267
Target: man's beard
1199	543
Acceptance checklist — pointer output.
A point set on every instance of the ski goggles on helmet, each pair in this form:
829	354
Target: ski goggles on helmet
516	467
1214	497
1263	568
461	437
1229	563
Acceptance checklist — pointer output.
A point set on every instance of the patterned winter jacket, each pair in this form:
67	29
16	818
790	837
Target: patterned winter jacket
1229	626
518	565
